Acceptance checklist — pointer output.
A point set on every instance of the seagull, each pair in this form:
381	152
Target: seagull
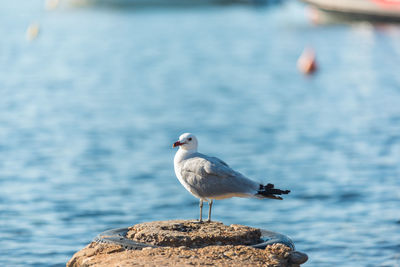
209	178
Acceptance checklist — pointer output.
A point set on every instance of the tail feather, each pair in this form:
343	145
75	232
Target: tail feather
268	191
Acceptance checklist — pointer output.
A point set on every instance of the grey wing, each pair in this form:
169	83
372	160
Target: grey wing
217	160
210	177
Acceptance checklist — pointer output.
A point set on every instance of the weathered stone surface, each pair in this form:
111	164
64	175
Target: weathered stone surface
112	255
185	243
193	234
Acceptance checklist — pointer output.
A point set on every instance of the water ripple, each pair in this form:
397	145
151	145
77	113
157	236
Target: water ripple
89	111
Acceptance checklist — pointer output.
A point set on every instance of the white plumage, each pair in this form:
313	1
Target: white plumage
209	178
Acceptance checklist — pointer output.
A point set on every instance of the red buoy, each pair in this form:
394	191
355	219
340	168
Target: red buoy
307	63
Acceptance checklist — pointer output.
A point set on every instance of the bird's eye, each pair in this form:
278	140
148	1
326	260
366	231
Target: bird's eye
190	139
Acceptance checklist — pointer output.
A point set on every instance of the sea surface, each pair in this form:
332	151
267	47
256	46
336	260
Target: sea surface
89	111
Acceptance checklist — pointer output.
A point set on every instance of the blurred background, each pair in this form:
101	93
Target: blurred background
94	93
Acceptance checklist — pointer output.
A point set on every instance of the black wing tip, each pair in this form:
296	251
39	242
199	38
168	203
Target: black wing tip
268	186
286	192
263	195
269	191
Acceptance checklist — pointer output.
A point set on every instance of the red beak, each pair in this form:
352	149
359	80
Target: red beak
177	144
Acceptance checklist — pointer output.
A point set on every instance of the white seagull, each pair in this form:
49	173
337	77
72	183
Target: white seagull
209	178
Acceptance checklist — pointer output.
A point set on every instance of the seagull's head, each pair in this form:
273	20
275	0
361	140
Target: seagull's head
187	141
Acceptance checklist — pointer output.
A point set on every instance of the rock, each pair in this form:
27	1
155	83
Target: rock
188	243
193	234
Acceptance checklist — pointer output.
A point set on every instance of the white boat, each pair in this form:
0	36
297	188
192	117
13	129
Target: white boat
169	2
374	10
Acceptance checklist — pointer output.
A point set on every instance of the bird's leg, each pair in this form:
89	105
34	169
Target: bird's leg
209	210
201	210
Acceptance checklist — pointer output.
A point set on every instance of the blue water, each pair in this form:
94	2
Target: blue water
89	111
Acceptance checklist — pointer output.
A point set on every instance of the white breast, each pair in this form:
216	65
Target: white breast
179	157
